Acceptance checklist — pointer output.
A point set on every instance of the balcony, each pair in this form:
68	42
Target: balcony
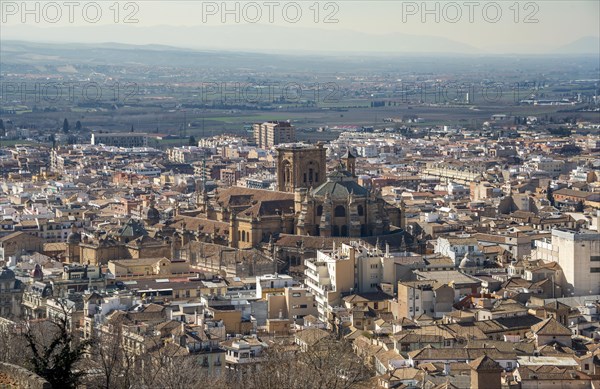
319	289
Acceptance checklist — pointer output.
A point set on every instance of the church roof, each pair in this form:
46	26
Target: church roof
132	228
340	184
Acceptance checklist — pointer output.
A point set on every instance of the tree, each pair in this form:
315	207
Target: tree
192	141
579	207
114	364
2	128
570	150
329	363
78	126
66	126
10	340
55	351
159	363
132	128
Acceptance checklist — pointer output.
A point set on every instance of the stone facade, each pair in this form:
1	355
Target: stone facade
300	167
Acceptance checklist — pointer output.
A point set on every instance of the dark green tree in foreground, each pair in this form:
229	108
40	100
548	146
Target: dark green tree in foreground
66	126
55	352
192	141
78	126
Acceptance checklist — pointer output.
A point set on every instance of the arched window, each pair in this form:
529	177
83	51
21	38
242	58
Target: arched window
319	210
243	236
287	172
340	211
361	210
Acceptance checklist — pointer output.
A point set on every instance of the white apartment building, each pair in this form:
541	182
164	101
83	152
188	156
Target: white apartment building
351	268
578	254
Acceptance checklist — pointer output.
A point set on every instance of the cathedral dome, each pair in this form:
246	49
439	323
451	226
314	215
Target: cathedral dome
6	274
150	213
74	237
339	185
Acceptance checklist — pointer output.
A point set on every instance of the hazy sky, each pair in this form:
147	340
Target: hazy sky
504	26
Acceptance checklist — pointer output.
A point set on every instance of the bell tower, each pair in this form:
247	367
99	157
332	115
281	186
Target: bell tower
300	166
349	161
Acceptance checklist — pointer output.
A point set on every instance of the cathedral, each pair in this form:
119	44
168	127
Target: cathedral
339	206
308	202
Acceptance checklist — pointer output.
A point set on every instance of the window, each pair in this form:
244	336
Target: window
360	210
340	211
595	258
595	270
319	210
373	266
586	366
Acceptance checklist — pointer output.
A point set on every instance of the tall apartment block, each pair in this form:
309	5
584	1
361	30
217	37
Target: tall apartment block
269	134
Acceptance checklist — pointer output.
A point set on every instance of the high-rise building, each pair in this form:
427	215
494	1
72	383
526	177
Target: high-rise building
269	134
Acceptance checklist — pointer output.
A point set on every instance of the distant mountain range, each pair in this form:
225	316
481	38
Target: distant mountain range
56	58
587	45
268	38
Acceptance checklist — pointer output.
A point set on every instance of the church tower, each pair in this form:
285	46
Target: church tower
349	161
300	166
